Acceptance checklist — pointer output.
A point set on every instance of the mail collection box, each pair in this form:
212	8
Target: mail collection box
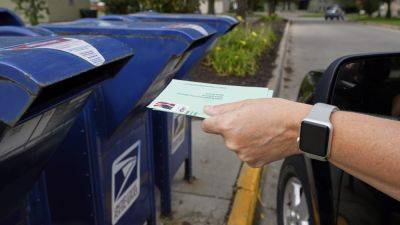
12	25
115	178
176	129
222	24
45	83
16	31
9	18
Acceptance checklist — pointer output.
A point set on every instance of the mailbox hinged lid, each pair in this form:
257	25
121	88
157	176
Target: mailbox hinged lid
32	66
188	32
221	23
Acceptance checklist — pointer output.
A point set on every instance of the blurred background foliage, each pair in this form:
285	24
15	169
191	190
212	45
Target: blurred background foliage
168	6
238	53
34	10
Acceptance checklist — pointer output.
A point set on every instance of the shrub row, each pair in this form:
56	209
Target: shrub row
238	53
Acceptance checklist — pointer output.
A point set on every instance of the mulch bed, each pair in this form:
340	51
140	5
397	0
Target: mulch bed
204	73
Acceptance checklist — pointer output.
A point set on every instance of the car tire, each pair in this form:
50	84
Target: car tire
294	197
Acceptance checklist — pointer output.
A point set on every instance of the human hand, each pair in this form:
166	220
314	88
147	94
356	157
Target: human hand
259	131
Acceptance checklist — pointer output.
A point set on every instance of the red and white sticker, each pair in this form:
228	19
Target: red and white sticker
74	46
195	27
170	107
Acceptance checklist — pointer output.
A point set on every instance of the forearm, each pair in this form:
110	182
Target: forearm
264	130
368	148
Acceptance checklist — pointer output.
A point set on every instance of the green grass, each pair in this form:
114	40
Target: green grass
312	15
377	20
237	53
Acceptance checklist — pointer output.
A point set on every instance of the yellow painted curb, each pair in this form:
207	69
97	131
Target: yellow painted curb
245	201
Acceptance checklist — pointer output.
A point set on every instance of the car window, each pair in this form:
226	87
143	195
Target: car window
371	87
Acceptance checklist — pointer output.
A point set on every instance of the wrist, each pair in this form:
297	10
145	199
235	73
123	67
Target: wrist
296	114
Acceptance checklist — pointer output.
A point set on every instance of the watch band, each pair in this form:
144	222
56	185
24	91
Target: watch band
322	112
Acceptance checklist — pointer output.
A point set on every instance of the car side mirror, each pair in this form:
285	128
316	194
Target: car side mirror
368	83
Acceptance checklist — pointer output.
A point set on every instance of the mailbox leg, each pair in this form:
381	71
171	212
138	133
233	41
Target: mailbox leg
165	192
152	219
188	162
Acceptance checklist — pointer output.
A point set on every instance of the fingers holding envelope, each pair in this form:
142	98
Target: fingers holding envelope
258	131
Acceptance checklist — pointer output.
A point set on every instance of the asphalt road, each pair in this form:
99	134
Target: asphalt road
312	45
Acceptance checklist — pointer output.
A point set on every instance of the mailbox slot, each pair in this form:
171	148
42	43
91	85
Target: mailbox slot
53	94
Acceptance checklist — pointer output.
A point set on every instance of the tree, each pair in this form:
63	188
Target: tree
370	6
242	8
122	6
349	6
33	10
255	5
287	4
389	8
169	6
211	6
272	6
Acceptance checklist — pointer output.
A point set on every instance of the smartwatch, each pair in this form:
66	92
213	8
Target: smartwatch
316	132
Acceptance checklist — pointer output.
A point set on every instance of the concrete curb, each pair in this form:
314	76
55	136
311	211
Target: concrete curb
245	200
276	81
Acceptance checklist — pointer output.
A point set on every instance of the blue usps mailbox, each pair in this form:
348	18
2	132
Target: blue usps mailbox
9	18
176	129
44	84
16	31
222	24
160	50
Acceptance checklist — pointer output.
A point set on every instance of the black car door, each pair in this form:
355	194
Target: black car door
376	93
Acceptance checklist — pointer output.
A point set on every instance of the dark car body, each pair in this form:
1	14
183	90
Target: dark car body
336	196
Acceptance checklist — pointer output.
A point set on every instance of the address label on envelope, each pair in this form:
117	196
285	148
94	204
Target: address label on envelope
189	98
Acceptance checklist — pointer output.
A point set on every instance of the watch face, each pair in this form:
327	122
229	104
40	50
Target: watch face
314	138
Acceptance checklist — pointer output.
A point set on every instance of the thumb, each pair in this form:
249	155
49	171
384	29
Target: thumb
214	110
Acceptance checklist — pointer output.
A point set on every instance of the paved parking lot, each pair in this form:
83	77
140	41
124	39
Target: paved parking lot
312	45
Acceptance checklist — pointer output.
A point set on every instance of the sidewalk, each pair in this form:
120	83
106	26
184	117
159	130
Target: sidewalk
207	200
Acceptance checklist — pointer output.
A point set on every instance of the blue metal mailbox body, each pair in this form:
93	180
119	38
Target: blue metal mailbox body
24	31
177	135
44	84
160	50
9	18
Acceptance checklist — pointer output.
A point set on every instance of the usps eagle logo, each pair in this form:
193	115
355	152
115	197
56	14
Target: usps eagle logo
125	181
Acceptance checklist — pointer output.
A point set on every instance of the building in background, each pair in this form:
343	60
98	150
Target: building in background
221	6
59	10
